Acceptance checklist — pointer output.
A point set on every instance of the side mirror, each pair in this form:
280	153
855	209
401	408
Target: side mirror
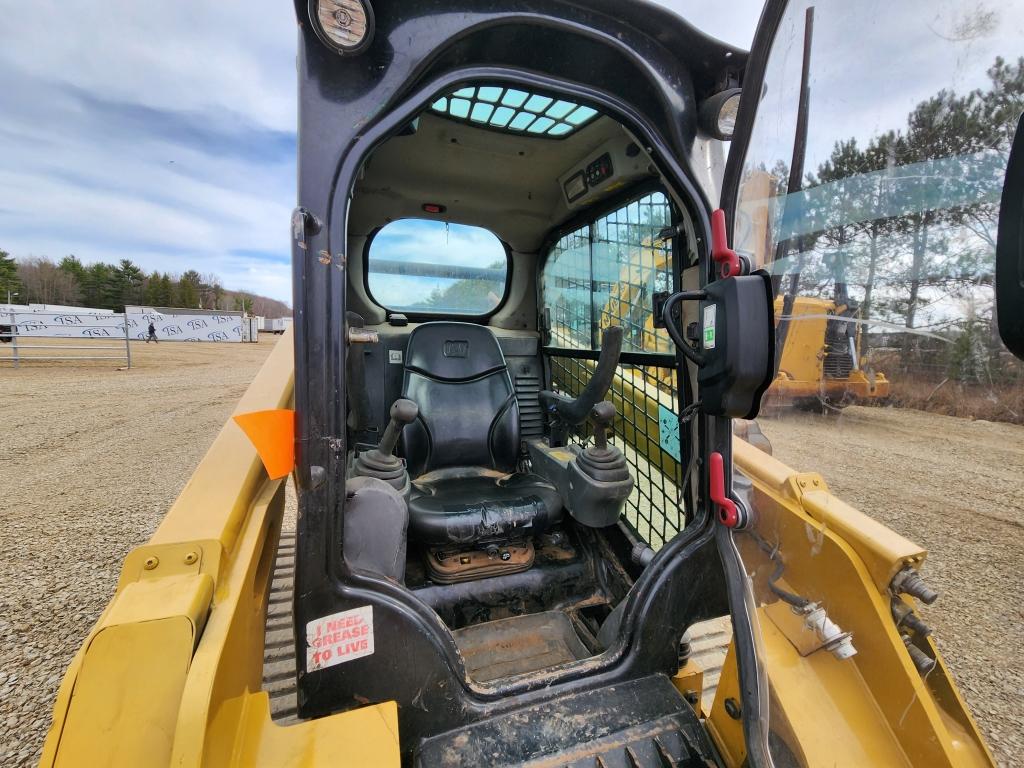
1010	250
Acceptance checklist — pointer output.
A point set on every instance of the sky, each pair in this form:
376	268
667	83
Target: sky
165	132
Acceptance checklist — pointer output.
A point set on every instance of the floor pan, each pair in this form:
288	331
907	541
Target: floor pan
518	645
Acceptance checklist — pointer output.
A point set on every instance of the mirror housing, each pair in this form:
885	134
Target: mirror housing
1010	250
737	338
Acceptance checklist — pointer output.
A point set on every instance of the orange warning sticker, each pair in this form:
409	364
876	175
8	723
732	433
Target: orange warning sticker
339	637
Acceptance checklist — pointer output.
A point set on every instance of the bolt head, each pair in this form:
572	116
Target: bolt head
733	709
151	562
191	558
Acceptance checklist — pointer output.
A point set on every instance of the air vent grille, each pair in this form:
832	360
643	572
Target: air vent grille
531	418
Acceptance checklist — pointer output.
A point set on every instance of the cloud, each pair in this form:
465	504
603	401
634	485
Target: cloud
162	133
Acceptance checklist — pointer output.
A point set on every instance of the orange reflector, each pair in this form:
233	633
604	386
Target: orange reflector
273	435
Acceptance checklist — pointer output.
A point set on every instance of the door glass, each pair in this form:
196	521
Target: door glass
876	215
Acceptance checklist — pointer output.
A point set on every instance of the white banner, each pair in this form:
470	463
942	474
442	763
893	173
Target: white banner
66	325
187	327
169	327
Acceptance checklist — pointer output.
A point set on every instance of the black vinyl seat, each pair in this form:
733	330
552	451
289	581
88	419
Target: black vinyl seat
462	448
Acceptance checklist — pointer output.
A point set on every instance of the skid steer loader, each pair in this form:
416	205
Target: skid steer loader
515	543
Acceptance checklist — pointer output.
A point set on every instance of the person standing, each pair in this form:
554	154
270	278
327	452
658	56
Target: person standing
152	334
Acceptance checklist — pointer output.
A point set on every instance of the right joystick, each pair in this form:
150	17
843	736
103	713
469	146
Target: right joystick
599	479
602	415
602	461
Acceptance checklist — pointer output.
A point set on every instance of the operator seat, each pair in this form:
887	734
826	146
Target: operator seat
463	446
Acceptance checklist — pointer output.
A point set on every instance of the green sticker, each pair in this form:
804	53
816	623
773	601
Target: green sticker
709	325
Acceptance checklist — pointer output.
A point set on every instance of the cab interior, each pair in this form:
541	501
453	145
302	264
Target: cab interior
492	388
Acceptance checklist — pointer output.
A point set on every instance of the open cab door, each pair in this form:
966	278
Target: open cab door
865	174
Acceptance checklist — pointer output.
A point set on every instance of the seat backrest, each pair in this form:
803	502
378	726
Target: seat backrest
456	374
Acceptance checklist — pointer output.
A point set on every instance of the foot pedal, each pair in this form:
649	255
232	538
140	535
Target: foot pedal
448	565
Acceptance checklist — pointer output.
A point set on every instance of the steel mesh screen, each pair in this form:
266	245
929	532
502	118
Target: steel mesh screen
629	265
653	508
603	274
606	273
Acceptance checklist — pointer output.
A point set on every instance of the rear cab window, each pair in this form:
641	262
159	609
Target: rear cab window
425	266
606	273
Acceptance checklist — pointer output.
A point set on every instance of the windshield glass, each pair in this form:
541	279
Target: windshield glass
421	265
874	207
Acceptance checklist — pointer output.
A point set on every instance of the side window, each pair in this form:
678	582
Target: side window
429	266
606	273
631	264
566	287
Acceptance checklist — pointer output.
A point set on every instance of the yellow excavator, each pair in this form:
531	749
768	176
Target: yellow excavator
516	546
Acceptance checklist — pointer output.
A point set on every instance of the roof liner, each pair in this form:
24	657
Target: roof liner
506	183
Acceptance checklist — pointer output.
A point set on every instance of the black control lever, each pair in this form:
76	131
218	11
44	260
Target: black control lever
574	412
402	412
602	415
601	461
381	462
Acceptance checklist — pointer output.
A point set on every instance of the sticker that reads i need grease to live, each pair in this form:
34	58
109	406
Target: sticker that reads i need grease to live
339	637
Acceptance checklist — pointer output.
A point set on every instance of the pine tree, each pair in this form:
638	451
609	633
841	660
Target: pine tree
188	289
9	282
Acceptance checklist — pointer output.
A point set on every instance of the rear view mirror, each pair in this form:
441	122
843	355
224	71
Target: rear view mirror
1010	250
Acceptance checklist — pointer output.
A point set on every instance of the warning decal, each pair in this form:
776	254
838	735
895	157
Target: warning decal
339	637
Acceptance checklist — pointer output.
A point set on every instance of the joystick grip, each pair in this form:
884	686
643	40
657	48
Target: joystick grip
602	415
403	412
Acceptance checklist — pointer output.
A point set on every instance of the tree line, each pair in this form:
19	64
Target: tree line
906	222
39	280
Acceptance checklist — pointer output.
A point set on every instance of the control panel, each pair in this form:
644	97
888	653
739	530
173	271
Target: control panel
610	166
598	170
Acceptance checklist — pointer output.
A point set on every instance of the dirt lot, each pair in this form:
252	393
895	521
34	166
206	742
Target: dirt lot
90	459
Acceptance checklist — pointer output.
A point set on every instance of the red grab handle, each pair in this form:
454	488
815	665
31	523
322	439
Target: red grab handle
721	253
727	514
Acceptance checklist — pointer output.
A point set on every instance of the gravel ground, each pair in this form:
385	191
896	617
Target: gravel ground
91	458
956	487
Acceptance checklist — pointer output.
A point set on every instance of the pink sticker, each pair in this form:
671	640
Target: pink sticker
339	637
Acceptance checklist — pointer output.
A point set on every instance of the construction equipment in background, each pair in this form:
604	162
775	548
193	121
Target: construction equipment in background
821	365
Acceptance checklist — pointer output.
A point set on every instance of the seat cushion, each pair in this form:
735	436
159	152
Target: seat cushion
473	507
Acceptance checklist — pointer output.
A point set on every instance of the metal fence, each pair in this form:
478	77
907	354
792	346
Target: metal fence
17	347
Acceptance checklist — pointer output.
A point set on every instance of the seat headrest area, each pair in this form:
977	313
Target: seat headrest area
453	351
